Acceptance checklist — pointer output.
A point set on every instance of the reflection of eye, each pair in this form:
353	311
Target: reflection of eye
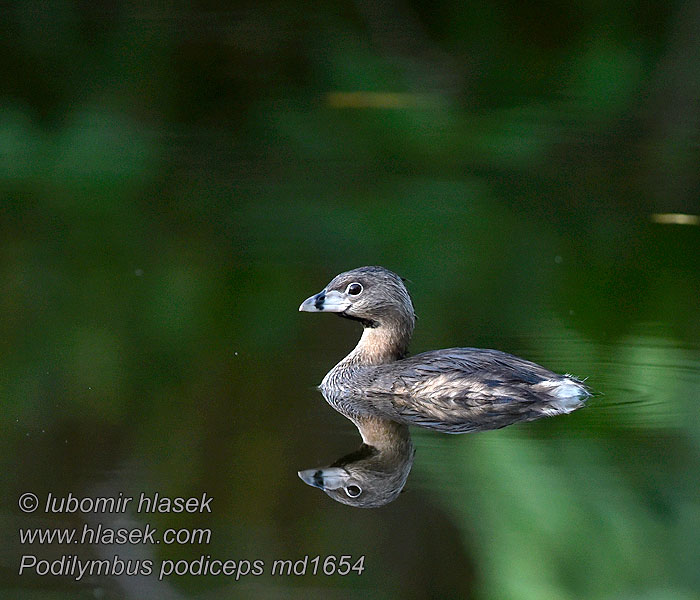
354	289
353	491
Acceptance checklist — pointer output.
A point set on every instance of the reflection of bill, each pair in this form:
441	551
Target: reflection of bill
373	475
456	390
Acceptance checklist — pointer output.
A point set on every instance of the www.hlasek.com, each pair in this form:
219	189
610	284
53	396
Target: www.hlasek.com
94	534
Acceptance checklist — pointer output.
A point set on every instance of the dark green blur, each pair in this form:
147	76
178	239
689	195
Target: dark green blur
174	181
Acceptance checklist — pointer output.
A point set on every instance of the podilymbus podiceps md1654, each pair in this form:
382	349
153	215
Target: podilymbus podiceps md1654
455	390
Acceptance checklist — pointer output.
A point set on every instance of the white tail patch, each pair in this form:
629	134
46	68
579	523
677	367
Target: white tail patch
567	395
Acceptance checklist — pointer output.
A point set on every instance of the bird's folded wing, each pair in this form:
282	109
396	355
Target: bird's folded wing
458	389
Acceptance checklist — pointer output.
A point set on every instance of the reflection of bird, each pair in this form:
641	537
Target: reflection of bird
373	475
455	390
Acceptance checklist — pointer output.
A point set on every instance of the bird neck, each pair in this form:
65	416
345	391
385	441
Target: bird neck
388	437
382	344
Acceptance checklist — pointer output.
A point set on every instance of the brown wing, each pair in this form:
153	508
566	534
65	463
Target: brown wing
463	389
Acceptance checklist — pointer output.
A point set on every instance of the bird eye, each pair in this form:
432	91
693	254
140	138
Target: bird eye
354	289
353	490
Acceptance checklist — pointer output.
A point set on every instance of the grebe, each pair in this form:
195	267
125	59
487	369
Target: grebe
455	390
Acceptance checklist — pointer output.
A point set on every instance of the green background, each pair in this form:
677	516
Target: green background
176	179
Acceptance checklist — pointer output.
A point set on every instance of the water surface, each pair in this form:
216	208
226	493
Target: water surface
174	182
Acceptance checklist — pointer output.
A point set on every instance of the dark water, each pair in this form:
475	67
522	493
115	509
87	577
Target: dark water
174	182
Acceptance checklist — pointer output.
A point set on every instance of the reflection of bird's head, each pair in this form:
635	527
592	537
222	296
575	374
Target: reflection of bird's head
366	478
374	296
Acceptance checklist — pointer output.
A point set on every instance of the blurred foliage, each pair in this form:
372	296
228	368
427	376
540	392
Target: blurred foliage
175	179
